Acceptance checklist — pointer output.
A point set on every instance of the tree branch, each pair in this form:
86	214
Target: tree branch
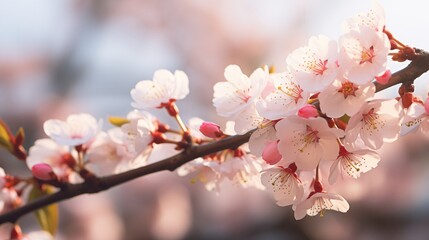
407	75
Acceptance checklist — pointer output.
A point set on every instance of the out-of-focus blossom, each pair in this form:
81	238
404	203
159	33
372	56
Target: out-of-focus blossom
76	130
138	133
161	90
375	19
43	171
57	156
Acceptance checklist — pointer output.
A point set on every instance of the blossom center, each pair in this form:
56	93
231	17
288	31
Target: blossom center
372	120
348	89
309	137
367	55
318	66
294	91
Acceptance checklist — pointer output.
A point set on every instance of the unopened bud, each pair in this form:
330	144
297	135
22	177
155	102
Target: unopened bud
308	111
43	172
211	130
271	153
384	79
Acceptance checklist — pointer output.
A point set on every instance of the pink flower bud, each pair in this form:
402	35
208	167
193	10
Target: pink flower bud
427	105
211	130
383	79
271	153
308	111
43	171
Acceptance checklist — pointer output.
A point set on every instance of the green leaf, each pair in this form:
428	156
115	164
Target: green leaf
5	136
47	216
118	121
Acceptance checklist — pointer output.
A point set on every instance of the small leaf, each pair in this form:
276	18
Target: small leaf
47	216
19	136
118	121
5	136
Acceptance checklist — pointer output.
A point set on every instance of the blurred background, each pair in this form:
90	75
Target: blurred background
71	56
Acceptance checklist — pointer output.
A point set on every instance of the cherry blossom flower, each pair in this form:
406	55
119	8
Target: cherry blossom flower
138	133
353	163
56	156
76	130
416	116
344	97
307	141
108	154
363	54
376	122
284	184
285	100
164	87
314	67
374	18
239	92
318	202
202	171
265	133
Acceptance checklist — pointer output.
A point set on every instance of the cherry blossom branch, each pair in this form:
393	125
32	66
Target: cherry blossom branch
95	185
418	66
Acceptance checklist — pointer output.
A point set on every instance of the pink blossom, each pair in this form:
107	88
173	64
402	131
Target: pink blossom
271	153
307	141
318	202
344	97
76	130
164	87
353	163
284	184
384	78
211	130
285	99
43	171
308	111
376	122
314	66
363	54
56	156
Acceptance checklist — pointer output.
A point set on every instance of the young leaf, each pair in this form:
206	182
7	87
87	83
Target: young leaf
47	216
118	121
5	136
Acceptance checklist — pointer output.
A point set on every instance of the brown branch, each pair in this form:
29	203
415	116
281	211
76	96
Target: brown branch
104	183
407	75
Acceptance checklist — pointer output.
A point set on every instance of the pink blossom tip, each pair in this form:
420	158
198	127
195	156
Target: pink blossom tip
43	172
308	111
211	130
384	79
271	154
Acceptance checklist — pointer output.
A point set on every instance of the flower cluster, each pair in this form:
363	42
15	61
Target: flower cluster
313	124
320	112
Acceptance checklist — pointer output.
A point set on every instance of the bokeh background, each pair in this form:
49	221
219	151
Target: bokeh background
70	56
